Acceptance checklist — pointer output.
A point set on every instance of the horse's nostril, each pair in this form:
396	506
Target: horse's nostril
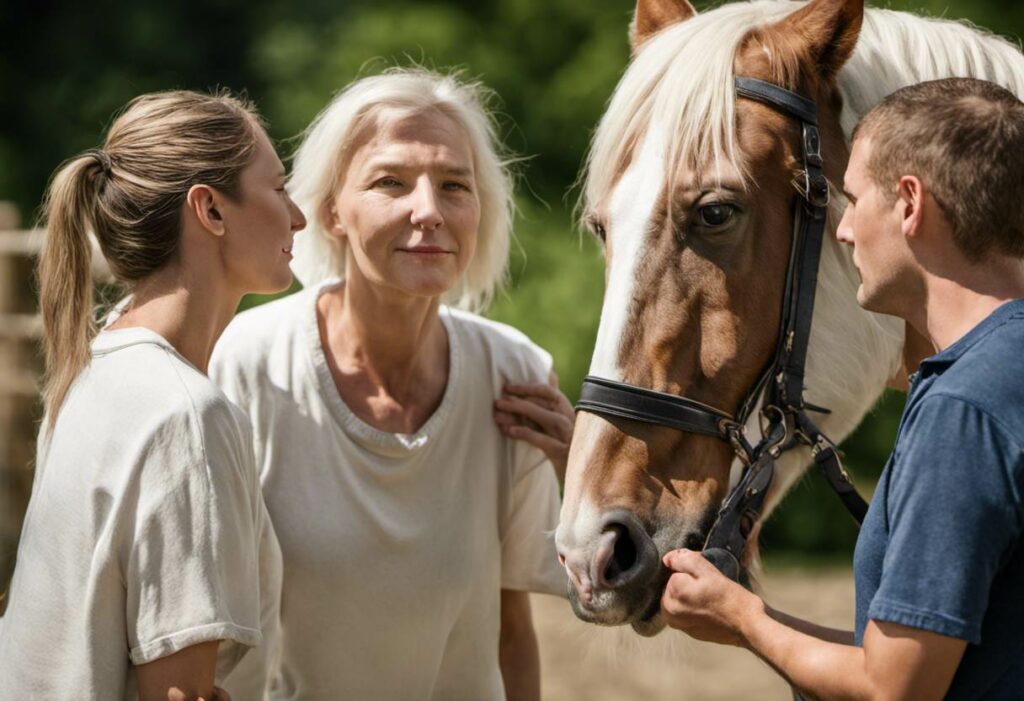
624	555
624	558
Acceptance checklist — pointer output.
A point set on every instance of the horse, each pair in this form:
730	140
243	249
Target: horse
688	187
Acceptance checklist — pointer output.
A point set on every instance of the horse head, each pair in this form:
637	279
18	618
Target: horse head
691	188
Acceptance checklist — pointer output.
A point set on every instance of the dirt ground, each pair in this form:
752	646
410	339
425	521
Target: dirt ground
582	662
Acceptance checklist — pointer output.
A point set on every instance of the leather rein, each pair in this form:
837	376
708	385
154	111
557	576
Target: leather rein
784	421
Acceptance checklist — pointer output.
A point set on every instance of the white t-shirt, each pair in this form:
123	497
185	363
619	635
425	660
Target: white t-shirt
396	547
141	533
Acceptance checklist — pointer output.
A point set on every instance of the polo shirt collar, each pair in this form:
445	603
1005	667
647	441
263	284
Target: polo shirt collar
1003	313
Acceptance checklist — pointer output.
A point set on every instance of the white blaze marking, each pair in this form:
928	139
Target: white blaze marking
632	205
577	531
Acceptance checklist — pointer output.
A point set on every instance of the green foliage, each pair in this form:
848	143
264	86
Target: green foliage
553	65
65	67
555	293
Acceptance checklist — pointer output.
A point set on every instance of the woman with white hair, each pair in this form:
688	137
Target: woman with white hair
404	442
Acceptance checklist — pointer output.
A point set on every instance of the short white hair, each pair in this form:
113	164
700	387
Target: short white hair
324	151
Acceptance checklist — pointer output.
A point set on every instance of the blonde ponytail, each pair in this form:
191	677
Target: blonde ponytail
130	194
65	282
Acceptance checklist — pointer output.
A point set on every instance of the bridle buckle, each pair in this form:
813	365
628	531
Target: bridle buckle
815	184
775	430
733	432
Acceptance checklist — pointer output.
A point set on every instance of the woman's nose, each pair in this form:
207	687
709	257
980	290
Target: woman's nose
298	218
426	210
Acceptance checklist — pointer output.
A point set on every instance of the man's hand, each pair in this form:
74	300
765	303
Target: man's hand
895	661
703	603
540	415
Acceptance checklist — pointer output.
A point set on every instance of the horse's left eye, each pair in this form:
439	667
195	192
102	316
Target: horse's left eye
716	215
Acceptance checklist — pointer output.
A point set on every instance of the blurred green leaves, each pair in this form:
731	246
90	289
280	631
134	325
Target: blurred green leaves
552	64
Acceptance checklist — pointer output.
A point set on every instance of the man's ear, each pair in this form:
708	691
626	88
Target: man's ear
204	204
910	198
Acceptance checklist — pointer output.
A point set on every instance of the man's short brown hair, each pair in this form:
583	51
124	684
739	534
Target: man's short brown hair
964	139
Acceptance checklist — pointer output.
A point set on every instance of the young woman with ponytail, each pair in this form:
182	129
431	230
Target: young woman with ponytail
138	572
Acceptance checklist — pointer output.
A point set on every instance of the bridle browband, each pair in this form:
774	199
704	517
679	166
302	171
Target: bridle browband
784	420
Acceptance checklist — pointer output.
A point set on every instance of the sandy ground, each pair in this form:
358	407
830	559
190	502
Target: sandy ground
589	663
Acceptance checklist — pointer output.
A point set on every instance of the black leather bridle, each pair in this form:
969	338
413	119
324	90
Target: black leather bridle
784	420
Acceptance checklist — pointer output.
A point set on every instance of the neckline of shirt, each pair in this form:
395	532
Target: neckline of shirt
109	340
370	437
999	316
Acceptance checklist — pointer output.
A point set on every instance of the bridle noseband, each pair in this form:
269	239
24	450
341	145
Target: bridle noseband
784	420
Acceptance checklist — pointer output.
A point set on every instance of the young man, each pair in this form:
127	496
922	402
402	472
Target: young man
936	217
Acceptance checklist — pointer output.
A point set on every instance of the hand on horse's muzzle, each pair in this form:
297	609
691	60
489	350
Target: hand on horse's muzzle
703	603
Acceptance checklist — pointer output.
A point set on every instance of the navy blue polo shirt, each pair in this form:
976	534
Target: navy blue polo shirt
940	548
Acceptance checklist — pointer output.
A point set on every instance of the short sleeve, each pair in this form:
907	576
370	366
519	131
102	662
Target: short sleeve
528	558
954	512
189	539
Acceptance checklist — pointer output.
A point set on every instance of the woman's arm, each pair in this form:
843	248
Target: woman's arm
895	662
518	653
187	675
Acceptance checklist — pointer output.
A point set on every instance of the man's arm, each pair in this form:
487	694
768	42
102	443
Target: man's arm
186	675
518	653
830	635
895	662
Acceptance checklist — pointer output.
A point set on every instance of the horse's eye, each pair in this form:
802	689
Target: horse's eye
716	215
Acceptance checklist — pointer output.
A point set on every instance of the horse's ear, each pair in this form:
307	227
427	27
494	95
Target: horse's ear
827	30
652	16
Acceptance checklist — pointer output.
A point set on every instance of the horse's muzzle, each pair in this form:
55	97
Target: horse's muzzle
614	575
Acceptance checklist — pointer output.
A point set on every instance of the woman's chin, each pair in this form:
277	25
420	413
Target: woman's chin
280	282
268	284
430	286
429	291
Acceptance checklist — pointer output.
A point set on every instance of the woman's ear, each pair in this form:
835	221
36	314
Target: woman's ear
331	220
203	203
